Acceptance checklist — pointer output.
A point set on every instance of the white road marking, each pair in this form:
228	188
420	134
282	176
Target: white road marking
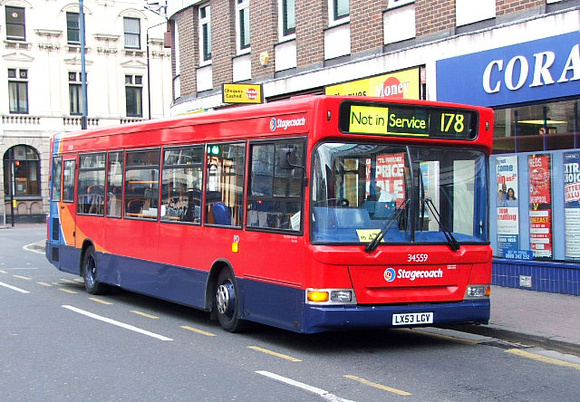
13	288
117	323
320	392
31	247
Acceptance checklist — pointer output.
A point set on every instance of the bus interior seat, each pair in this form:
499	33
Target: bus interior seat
221	214
135	206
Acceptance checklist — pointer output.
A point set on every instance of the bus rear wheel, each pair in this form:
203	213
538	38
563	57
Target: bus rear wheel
227	302
89	273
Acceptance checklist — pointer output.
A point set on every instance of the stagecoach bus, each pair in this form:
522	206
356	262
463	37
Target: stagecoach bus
314	214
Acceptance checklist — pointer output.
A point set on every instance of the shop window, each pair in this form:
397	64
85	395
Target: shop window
22	171
181	184
225	183
543	127
275	194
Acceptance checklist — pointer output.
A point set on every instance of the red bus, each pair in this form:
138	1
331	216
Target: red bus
313	214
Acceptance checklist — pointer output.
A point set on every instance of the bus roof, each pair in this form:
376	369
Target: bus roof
181	128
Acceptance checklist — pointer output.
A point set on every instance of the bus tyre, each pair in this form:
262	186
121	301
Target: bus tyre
227	302
89	273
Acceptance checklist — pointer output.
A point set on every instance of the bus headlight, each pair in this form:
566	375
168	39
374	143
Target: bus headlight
477	291
330	296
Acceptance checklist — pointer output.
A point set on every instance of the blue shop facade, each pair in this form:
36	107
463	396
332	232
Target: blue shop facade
534	88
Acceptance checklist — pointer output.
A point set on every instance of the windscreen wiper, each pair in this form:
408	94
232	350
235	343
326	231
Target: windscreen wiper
372	246
453	243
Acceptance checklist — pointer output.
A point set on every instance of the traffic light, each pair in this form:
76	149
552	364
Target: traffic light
17	167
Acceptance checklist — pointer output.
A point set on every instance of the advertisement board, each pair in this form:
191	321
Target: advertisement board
403	84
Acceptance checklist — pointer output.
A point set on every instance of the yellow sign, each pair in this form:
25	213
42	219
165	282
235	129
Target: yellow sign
368	235
368	119
403	84
385	120
242	93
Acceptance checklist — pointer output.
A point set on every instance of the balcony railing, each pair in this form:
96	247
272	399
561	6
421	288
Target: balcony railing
22	124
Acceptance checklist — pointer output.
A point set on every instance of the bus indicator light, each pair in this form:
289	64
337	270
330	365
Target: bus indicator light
317	296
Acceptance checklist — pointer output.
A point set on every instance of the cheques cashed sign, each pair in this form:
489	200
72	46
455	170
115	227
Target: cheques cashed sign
530	71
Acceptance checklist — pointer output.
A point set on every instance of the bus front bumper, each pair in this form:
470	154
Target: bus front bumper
328	318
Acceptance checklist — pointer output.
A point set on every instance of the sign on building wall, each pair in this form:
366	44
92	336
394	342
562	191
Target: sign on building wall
242	93
401	84
572	204
508	220
540	186
531	71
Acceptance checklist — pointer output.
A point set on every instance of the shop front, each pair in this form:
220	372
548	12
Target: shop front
534	88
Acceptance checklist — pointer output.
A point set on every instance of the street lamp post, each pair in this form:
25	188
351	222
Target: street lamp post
83	67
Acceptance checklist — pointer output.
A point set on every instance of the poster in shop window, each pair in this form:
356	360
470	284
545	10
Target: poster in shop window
572	204
507	204
540	185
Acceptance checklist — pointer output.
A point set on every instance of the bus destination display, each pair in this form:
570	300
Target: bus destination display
413	121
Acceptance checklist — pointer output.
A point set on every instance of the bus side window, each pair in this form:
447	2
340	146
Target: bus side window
91	197
181	184
56	178
224	184
115	184
276	178
68	183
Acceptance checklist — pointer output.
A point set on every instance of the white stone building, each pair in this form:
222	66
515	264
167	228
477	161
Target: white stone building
128	72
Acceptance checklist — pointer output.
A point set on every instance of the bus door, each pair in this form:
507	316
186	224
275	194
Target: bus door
54	233
63	208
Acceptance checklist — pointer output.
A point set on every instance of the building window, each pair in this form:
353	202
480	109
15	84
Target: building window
205	34
243	25
15	26
22	171
338	11
287	18
73	29
132	29
134	95
75	93
18	90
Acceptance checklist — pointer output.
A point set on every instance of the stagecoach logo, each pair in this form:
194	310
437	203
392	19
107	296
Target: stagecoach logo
285	123
390	274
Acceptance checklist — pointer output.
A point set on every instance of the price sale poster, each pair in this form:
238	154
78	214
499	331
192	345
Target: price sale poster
572	204
507	204
540	185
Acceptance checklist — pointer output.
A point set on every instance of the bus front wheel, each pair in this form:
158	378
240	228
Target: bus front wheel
227	302
89	273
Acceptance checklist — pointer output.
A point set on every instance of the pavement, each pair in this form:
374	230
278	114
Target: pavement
542	319
546	320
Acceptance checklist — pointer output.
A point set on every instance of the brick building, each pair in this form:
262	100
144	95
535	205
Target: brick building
520	57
